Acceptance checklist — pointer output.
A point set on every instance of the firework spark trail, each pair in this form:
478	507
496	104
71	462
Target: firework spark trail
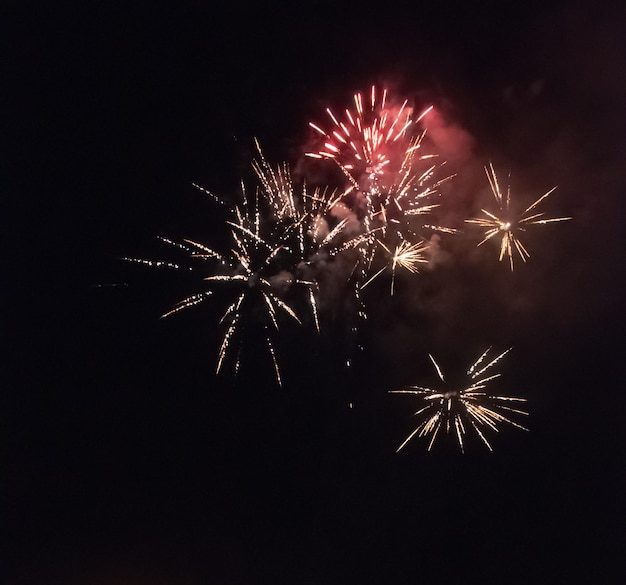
395	204
190	301
452	409
405	255
298	218
277	186
505	224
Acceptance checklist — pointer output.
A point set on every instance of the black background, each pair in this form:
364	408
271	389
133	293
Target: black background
126	460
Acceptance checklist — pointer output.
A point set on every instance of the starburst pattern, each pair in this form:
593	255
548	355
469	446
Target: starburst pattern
504	224
378	147
406	255
361	140
457	409
263	262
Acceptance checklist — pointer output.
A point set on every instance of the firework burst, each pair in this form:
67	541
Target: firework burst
410	194
392	185
456	409
405	255
505	224
255	278
274	236
362	140
377	147
301	219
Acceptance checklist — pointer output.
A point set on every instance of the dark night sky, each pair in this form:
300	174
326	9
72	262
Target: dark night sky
125	460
